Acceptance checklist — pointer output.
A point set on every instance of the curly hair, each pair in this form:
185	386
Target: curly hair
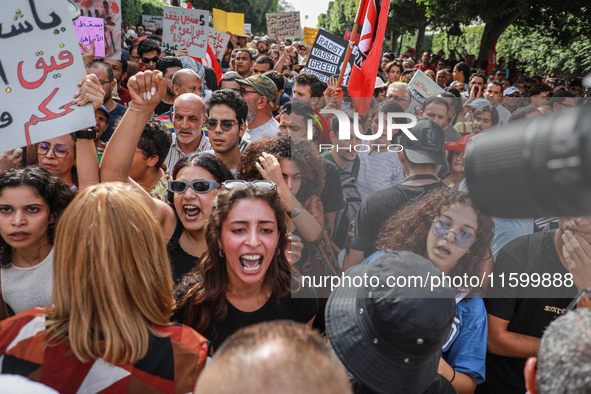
56	194
155	141
409	229
200	297
302	152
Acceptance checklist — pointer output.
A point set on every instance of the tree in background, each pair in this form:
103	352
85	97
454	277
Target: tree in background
254	10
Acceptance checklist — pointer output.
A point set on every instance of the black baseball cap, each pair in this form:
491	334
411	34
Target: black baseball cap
429	147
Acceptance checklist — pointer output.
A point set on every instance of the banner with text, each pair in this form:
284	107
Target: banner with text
422	87
228	21
218	42
310	35
91	29
284	24
43	72
152	22
185	28
327	56
110	11
248	28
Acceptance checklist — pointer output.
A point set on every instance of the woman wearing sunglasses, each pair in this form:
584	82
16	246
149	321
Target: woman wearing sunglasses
196	177
245	278
445	227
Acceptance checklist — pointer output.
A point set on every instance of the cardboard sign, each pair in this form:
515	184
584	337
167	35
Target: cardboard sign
110	11
218	42
327	56
228	21
422	87
310	35
185	28
152	22
347	36
40	77
91	29
285	24
248	28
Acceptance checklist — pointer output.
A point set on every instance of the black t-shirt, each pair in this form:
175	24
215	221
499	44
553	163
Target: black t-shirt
162	108
380	206
527	313
332	194
181	262
114	117
287	308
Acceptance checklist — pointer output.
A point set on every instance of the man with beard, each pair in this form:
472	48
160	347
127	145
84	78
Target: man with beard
493	93
168	65
226	124
484	118
263	47
259	92
106	78
518	315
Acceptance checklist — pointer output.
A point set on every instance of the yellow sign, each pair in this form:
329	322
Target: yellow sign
310	35
228	21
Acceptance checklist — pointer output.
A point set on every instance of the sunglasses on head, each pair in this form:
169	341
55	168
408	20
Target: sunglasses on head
148	60
462	239
198	186
225	124
238	184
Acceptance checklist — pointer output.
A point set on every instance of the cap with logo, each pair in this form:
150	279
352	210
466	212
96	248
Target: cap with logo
390	337
477	103
510	90
429	147
262	84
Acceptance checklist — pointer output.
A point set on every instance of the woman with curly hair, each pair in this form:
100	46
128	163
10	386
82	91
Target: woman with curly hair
394	71
31	201
445	227
245	278
297	169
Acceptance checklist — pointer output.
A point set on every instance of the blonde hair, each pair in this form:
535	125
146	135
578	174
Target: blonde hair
111	276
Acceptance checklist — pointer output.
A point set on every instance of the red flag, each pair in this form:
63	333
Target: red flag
211	61
492	59
189	5
363	76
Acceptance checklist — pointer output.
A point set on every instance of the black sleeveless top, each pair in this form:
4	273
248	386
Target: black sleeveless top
181	262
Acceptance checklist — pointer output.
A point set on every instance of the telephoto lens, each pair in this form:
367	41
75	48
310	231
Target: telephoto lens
540	167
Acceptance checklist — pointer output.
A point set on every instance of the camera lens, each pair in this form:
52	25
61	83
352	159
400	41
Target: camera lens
533	168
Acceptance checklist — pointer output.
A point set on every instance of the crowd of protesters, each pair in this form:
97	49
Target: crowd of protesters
166	248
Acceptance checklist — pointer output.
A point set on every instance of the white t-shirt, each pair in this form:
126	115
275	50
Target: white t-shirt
379	170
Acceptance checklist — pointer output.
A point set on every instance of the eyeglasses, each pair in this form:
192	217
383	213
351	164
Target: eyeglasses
514	95
501	74
59	150
462	239
237	90
398	99
104	82
381	90
225	124
198	186
244	91
148	60
237	184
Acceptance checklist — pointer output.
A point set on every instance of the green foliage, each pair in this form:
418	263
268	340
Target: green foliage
131	11
339	17
153	7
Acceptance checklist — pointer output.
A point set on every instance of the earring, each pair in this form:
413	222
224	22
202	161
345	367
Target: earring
277	252
222	253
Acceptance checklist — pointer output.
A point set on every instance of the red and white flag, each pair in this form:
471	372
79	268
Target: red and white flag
492	59
373	14
211	61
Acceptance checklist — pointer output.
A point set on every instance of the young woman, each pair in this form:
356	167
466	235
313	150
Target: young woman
196	177
394	71
455	159
31	201
445	227
461	72
245	277
296	167
108	330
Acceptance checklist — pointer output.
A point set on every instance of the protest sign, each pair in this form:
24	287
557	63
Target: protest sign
91	29
38	80
218	42
347	36
286	24
422	87
247	28
310	35
152	22
327	56
185	28
110	11
228	21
